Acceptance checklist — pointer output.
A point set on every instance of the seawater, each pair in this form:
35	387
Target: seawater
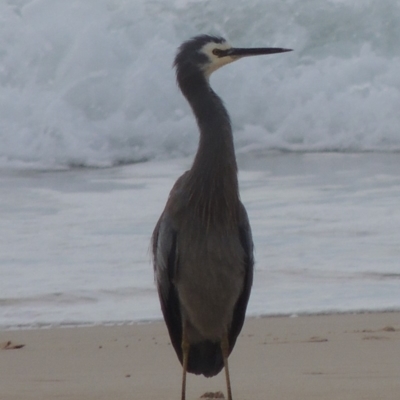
90	83
75	244
88	86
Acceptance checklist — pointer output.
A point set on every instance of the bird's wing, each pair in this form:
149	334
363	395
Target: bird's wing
165	258
248	262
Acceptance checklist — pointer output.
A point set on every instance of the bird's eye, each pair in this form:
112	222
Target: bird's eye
218	52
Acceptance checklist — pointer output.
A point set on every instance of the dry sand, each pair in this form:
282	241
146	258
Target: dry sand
351	356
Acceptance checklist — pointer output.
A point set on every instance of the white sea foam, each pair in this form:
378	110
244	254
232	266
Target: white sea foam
90	82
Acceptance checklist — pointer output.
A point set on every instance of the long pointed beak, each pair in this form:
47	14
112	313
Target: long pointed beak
257	51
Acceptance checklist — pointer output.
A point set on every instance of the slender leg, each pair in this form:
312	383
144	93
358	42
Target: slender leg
225	354
185	352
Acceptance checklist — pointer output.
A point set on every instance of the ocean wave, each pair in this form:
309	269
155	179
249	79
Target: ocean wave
91	83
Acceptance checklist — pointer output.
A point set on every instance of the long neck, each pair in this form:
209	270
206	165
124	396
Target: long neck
213	176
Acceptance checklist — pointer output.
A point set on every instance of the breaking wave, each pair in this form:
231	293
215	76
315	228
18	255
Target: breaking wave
90	83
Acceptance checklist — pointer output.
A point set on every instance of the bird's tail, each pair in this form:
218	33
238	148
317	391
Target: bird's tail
205	358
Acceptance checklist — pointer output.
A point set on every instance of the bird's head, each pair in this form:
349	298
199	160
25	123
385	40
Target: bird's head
206	54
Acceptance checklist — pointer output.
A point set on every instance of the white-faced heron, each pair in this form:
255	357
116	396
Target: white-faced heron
202	243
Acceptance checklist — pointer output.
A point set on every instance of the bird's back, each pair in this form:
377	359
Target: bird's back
204	274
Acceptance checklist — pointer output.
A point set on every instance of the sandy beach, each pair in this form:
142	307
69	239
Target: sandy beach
346	356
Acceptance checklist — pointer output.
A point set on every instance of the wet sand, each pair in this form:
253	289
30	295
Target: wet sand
349	356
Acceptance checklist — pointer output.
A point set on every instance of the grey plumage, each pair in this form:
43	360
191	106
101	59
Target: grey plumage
202	243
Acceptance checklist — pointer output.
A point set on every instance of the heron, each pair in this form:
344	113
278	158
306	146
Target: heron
202	243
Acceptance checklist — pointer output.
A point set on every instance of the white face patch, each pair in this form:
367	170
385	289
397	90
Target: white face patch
215	61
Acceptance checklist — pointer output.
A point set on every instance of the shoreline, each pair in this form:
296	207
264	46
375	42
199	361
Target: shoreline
346	356
78	324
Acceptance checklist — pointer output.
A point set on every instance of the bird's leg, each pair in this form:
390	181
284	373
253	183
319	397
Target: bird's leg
185	352
225	355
